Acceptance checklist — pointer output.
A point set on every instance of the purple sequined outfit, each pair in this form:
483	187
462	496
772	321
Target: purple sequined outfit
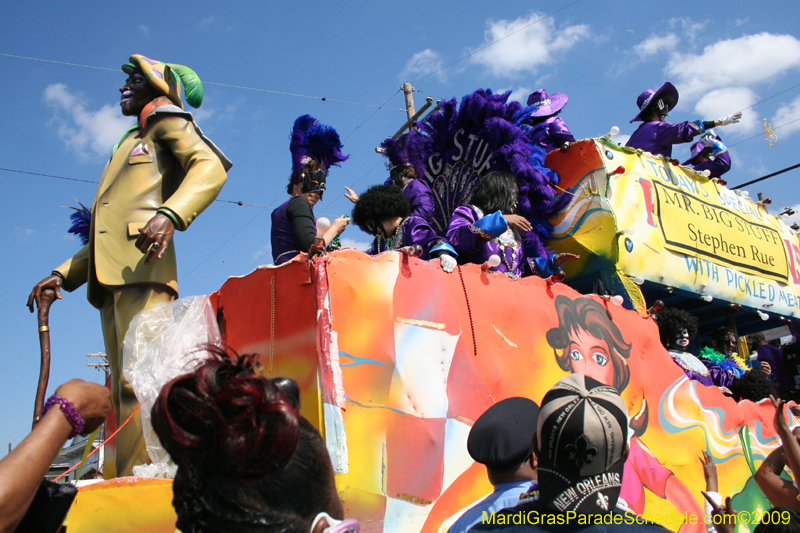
719	166
412	230
658	137
476	241
420	196
702	371
550	134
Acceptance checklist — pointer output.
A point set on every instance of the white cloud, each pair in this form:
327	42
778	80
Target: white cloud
787	113
655	44
734	62
207	21
423	63
87	132
689	28
145	30
720	103
348	242
520	94
23	233
527	44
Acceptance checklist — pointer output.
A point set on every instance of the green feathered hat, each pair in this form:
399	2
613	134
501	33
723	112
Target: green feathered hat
164	77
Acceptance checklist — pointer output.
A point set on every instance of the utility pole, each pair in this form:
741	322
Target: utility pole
408	90
102	364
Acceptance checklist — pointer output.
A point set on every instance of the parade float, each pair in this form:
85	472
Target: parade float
396	358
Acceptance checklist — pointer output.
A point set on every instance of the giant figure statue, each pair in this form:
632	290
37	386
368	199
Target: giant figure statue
162	174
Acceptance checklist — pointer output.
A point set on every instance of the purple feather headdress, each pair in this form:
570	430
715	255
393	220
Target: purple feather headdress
491	119
410	149
81	223
313	140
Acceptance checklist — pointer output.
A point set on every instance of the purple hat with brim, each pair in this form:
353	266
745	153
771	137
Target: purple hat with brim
649	96
696	149
548	105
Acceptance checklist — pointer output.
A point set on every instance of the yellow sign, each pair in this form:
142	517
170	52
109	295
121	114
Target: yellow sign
694	226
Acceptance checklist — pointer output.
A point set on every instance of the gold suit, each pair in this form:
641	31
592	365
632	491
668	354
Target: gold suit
169	165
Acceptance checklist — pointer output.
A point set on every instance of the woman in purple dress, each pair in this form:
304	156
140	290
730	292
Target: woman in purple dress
488	226
677	328
657	136
385	212
315	148
541	123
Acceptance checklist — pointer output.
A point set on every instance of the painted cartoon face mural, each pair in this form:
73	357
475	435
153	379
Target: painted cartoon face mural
588	342
403	359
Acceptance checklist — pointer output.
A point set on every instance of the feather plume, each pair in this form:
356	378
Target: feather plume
310	138
490	118
192	85
411	148
81	223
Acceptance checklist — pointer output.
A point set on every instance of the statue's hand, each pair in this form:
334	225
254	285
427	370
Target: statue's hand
155	236
39	293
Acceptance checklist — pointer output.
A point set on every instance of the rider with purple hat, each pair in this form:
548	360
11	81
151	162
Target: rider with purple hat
541	121
709	154
655	135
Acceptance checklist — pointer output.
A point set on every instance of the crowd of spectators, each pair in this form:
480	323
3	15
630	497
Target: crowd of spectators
248	462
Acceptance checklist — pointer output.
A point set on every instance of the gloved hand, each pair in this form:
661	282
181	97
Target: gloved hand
730	119
448	262
707	141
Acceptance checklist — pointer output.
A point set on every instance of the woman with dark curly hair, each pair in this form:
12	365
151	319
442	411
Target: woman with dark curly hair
588	342
384	212
677	328
247	461
488	226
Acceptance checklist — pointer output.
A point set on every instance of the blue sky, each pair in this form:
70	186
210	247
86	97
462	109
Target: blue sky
63	120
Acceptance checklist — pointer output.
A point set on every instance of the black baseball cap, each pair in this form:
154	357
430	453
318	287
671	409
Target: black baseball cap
582	438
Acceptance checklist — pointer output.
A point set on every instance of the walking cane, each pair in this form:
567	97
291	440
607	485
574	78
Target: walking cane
46	299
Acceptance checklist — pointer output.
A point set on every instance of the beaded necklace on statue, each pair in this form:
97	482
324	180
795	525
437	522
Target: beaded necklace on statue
688	361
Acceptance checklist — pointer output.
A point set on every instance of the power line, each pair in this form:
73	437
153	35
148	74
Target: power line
495	42
771	97
47	175
97	182
373	114
762	178
321	98
761	134
258	257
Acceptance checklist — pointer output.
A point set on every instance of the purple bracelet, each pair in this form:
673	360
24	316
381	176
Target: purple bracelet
73	416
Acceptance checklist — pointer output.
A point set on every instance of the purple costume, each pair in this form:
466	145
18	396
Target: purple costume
412	230
774	356
719	166
658	137
704	372
420	196
293	229
550	134
477	237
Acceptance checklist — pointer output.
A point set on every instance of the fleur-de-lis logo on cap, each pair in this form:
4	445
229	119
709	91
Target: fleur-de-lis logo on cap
581	452
602	501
